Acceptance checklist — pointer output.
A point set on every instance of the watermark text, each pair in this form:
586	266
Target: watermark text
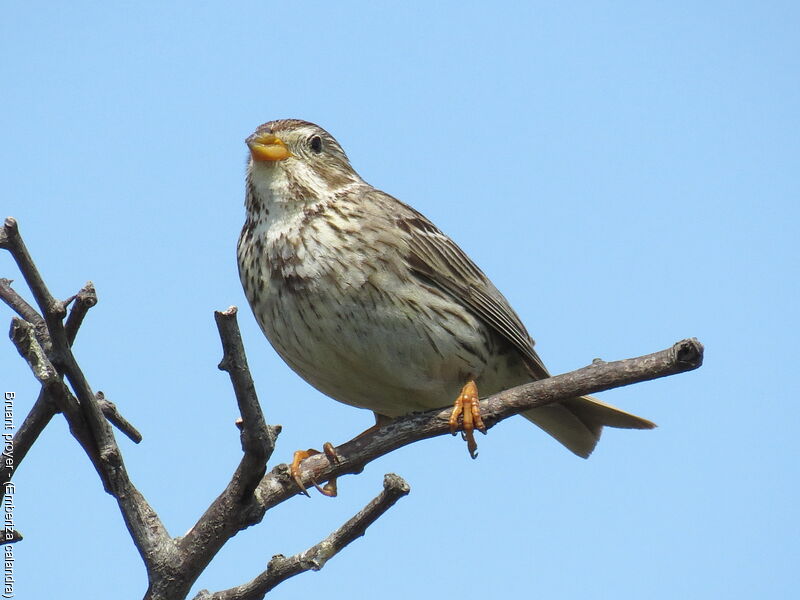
8	495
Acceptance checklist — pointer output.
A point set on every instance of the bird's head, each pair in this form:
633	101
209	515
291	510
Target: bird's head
290	154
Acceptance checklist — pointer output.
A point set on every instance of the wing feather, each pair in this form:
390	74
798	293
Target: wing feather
439	260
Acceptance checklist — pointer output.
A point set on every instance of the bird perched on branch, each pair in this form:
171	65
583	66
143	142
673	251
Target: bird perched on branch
373	305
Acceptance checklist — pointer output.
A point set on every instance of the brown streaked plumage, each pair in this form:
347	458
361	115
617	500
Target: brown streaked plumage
371	303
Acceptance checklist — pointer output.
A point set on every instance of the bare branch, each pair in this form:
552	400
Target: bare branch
43	409
146	529
53	312
222	520
111	413
18	304
683	356
26	341
45	406
258	439
23	336
11	240
236	507
54	397
85	299
281	568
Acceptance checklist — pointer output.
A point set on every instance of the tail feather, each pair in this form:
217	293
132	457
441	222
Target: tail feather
577	423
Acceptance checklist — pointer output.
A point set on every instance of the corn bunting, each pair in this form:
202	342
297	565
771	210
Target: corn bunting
373	305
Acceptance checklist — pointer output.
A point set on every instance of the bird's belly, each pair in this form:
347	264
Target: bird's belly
373	351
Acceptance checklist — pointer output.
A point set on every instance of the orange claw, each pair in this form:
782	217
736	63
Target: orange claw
294	468
330	488
330	452
467	407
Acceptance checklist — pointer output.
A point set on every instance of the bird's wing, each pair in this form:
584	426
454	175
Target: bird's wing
438	260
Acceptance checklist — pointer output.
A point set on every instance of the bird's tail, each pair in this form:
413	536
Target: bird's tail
578	422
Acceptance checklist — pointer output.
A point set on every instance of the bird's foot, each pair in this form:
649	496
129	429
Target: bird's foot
467	407
329	489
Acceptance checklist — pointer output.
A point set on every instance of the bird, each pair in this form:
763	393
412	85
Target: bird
373	305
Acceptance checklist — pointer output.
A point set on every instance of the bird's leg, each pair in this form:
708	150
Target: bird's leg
466	406
330	488
380	421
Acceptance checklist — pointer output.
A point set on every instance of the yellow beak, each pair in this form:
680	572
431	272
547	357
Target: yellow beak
267	147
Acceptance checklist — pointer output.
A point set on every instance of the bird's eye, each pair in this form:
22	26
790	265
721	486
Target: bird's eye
316	144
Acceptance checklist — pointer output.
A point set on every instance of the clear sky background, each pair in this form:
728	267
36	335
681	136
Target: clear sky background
625	172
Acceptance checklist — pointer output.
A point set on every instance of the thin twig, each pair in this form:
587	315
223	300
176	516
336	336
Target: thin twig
45	407
116	419
258	439
19	305
85	299
281	568
17	302
53	312
11	240
53	388
236	507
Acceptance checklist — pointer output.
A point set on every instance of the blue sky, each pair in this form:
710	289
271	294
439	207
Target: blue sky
626	173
